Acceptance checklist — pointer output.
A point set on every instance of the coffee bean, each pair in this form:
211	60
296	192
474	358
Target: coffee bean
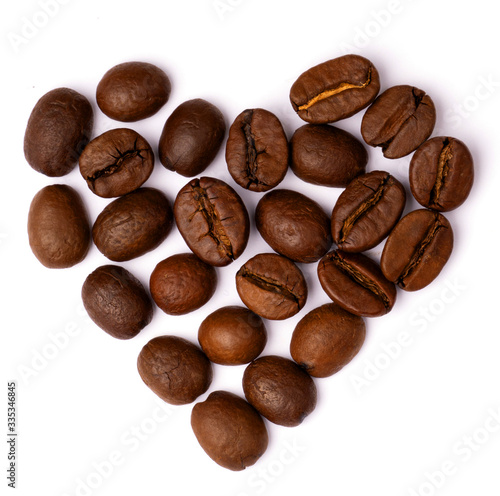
335	89
272	286
58	227
257	150
58	129
175	369
293	225
356	283
232	336
230	430
327	339
132	91
417	249
367	210
116	163
280	390
213	220
192	137
326	155
441	173
182	283
133	225
399	121
116	301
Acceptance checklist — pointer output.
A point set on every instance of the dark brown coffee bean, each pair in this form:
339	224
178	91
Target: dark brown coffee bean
58	227
213	220
116	301
280	390
230	430
335	89
272	286
132	91
175	369
293	225
116	163
399	121
192	137
417	249
232	336
257	150
367	210
182	283
356	283
327	339
327	156
442	173
58	129
133	225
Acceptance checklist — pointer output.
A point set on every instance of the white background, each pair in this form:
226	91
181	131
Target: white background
396	420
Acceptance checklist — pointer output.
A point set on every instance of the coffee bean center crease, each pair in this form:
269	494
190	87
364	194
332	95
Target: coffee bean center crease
338	89
215	228
443	168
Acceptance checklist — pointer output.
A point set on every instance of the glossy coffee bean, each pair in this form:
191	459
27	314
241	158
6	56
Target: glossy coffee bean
175	369
327	156
335	89
441	173
230	430
271	286
132	91
133	225
116	301
417	249
182	283
192	137
58	227
280	390
367	210
399	121
116	163
327	339
293	225
232	336
257	150
213	220
58	130
356	283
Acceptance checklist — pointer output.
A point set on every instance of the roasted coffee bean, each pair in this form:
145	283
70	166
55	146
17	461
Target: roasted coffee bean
116	301
232	336
58	129
182	283
367	210
272	286
441	173
213	220
116	163
356	283
327	156
58	227
293	225
257	150
192	137
175	369
417	249
132	91
327	339
133	225
399	121
230	430
280	390
335	89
